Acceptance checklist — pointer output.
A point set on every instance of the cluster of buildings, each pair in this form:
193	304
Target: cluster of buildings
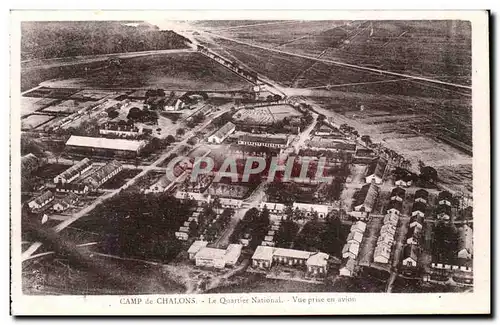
314	263
376	171
443	211
364	201
274	227
183	232
405	179
214	257
65	182
350	250
308	209
41	201
65	203
74	171
120	128
412	243
221	134
385	241
78	179
103	174
458	268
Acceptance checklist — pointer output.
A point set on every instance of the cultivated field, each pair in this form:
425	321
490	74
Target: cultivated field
438	49
34	121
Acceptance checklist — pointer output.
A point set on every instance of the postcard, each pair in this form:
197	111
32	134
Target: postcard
250	163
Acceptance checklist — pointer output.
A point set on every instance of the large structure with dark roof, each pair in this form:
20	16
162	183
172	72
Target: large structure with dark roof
395	207
103	174
77	188
265	140
74	171
410	255
41	201
366	197
444	197
222	133
421	195
418	209
398	194
375	172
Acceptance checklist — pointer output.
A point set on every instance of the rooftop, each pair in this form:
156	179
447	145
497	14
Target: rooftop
293	253
196	246
263	253
233	252
266	138
377	168
211	253
318	259
223	131
105	143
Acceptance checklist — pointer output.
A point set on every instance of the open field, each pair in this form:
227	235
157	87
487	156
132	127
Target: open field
34	121
392	45
167	71
32	104
69	106
413	136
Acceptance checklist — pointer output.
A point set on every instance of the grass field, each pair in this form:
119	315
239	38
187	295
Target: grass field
33	121
49	171
167	71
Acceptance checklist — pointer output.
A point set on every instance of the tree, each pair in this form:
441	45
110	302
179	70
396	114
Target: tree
193	229
366	139
113	114
170	139
298	214
286	233
215	203
226	215
180	132
428	174
277	98
135	113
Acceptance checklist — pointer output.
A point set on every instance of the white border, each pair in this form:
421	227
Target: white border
366	303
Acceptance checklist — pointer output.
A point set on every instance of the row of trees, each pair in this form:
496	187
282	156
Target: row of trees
43	40
328	237
255	223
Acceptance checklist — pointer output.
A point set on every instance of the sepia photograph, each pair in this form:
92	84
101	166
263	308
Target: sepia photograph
250	163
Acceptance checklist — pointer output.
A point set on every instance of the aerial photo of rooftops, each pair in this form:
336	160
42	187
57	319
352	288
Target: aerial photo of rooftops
246	156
